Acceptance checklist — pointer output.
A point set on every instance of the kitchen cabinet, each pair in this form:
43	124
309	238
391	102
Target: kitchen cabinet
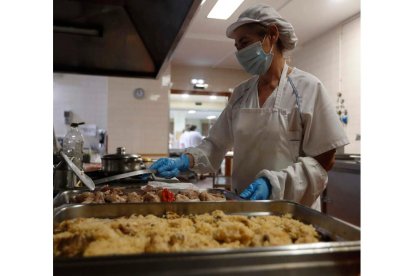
342	196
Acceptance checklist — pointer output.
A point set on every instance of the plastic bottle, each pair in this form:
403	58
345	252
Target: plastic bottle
73	145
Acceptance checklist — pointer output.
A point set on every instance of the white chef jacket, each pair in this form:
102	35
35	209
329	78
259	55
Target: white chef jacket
317	126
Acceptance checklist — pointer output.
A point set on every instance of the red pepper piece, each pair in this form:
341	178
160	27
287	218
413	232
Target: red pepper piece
167	195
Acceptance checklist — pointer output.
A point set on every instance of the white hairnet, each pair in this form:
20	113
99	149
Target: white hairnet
266	15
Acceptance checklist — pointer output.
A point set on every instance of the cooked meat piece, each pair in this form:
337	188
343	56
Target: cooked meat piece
181	198
82	197
99	197
134	197
141	192
105	188
158	193
151	197
149	188
191	194
90	197
204	196
118	190
114	198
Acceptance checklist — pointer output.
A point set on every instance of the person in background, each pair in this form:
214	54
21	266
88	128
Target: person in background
184	137
281	123
194	137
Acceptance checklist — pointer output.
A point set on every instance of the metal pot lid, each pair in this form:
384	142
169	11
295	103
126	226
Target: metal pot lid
120	154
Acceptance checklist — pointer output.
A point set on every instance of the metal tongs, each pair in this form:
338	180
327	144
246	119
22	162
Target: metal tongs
124	175
79	173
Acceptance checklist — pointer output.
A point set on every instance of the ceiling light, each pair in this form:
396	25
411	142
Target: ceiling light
211	117
185	96
197	81
202	2
200	86
214	97
191	111
223	9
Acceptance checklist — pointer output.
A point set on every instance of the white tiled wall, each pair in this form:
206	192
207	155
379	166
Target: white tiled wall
86	96
333	57
140	125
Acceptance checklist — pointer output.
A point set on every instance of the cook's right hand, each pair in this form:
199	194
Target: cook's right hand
171	167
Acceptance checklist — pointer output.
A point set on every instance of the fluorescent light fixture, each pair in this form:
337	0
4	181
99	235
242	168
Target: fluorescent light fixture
211	117
223	9
197	81
202	86
185	96
213	97
191	111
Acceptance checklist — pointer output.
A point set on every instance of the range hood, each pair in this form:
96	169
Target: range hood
130	38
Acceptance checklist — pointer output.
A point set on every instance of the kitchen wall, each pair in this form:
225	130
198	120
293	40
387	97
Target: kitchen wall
218	79
87	98
334	58
140	125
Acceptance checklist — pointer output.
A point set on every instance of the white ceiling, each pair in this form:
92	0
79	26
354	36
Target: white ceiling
205	43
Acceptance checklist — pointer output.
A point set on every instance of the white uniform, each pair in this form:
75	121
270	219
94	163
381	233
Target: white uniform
194	138
183	140
267	141
190	138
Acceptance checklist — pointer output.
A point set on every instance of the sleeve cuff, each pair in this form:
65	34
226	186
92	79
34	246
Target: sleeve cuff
277	190
201	162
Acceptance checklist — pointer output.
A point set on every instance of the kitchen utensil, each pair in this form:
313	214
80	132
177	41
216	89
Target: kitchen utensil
123	175
79	173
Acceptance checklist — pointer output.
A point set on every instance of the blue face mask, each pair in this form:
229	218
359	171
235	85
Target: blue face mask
254	59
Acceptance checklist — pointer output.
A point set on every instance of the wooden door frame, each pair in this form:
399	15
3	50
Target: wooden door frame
201	93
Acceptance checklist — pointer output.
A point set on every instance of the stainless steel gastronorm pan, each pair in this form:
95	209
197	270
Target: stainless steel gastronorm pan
337	254
65	197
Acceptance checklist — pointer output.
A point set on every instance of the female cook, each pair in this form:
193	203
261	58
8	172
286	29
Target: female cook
280	123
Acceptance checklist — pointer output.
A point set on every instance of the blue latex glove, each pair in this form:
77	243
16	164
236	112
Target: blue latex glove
171	167
258	190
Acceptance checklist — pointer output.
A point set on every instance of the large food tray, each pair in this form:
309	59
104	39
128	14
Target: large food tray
337	254
65	197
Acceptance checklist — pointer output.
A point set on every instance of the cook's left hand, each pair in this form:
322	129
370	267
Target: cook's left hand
258	190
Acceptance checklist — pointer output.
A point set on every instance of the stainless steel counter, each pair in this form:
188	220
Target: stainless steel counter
342	195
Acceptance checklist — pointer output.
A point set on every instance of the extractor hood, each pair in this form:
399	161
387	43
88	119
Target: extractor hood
130	38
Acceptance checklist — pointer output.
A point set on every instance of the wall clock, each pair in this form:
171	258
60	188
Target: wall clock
139	93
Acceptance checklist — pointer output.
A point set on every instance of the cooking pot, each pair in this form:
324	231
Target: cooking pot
121	162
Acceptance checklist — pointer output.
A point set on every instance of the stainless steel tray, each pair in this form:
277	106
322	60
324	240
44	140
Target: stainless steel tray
65	197
338	254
